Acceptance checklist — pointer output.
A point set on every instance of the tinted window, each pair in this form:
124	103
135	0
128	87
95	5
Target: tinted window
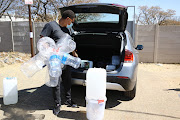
97	17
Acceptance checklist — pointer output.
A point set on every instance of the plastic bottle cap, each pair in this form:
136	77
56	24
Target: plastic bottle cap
55	56
64	58
10	78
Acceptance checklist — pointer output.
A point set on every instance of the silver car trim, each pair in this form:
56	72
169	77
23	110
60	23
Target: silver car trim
109	86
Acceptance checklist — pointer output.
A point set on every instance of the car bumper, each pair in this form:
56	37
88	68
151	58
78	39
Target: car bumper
109	85
121	81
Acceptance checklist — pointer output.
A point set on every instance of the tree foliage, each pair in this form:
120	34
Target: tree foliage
152	15
45	10
4	6
171	22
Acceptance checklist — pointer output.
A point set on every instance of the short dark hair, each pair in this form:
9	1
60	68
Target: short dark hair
68	13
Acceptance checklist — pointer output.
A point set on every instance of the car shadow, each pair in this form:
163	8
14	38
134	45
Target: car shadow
176	89
114	98
41	98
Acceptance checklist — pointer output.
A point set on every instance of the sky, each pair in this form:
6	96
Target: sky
164	4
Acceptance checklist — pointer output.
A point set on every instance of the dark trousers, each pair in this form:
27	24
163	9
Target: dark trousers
66	83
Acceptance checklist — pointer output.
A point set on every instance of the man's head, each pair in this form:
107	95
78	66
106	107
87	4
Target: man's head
68	17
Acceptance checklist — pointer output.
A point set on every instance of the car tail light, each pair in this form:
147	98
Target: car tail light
123	77
128	56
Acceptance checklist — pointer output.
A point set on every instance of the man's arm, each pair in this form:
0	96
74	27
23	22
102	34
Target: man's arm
74	54
46	31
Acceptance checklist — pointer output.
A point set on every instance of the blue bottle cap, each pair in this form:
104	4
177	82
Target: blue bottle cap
64	58
54	56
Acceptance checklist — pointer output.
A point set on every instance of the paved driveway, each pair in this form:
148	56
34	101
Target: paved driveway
158	97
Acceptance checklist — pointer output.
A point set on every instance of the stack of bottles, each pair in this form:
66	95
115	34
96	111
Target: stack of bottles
95	93
54	56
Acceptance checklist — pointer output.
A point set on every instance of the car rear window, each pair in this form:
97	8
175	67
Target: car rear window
97	17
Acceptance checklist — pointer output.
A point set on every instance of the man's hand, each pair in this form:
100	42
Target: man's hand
74	54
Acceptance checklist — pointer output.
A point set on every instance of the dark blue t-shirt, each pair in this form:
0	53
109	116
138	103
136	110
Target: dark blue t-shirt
53	30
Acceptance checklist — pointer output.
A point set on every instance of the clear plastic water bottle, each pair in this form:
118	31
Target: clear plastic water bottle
67	59
66	44
50	81
53	82
55	66
32	66
45	46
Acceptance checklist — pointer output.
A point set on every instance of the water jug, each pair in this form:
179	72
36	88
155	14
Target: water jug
10	92
95	93
96	83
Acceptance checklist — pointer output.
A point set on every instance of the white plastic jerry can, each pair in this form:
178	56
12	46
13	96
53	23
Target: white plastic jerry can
96	83
10	92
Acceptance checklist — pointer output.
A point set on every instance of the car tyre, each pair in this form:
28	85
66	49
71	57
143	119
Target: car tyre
130	94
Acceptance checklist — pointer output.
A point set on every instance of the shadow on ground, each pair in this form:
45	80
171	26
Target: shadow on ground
147	113
176	89
40	98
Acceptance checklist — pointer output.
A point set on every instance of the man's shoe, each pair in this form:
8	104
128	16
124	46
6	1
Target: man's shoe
71	104
56	110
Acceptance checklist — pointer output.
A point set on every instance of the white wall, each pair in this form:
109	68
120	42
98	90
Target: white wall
6	18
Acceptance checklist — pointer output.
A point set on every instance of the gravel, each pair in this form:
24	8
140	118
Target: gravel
9	58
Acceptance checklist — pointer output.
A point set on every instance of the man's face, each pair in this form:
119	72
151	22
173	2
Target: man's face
69	20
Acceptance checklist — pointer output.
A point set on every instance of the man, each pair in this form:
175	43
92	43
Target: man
55	31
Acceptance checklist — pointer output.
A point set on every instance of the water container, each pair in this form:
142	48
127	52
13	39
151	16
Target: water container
55	66
96	83
45	46
66	44
67	59
10	92
50	81
34	65
110	67
95	109
115	60
53	81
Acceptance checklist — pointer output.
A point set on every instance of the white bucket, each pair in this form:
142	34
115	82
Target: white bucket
95	109
10	92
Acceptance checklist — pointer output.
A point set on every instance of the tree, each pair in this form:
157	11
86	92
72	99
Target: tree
170	22
152	15
45	10
4	5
